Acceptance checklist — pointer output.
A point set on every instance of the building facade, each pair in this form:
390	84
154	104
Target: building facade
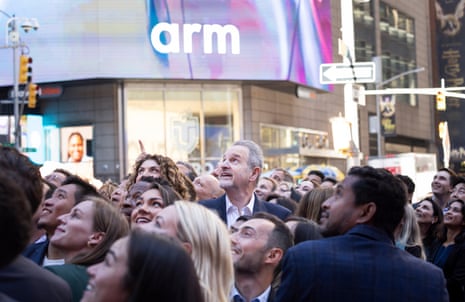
187	80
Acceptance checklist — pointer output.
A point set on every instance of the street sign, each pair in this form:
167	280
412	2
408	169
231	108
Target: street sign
341	73
21	93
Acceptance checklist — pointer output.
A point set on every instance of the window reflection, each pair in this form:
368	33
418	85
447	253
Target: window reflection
191	123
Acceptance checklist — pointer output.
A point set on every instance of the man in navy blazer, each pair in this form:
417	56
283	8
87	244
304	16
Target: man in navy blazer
20	196
238	174
360	263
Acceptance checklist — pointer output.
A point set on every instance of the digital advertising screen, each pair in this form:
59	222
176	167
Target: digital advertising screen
172	39
76	144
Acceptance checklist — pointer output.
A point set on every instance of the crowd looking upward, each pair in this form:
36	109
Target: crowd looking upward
168	233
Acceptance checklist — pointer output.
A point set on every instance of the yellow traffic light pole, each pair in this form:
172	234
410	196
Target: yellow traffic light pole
12	40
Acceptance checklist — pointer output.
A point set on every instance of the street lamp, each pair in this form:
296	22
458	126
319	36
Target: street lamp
380	85
13	40
342	135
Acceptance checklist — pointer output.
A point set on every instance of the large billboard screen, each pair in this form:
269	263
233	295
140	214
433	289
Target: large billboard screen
173	39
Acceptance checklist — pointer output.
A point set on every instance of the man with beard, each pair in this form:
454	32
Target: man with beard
238	173
361	262
257	249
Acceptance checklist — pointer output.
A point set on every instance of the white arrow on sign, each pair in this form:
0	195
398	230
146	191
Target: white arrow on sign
340	73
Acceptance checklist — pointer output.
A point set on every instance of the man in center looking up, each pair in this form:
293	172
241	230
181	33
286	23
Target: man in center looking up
238	173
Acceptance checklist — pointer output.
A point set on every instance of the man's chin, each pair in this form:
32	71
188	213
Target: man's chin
327	231
225	184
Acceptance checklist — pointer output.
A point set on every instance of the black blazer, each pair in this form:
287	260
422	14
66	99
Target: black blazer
36	252
219	205
454	271
23	280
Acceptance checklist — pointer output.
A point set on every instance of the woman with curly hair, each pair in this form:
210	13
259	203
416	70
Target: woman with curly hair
157	166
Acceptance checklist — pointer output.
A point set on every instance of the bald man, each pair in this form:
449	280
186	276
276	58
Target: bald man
207	187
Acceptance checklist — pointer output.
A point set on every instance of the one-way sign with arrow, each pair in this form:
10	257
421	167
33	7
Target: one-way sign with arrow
340	73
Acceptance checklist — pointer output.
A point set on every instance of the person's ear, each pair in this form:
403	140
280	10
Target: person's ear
188	247
95	239
274	255
255	173
367	212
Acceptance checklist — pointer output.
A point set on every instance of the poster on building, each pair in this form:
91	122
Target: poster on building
450	39
76	150
387	108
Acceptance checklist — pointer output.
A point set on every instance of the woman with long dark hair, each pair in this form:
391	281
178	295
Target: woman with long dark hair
449	251
144	267
429	218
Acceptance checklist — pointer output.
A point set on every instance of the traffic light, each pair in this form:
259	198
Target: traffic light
25	69
33	94
440	101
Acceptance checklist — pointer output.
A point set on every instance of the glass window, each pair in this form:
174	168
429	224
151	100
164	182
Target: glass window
193	123
398	50
288	147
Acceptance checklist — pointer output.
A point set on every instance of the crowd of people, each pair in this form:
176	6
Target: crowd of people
165	233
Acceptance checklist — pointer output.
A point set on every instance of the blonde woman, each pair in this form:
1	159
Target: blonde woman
310	204
205	237
408	236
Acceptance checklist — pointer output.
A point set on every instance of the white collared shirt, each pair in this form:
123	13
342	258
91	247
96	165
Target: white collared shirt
232	212
263	297
50	262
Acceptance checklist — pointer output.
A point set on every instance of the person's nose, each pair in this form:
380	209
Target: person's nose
63	218
327	203
233	237
127	203
144	208
48	202
224	164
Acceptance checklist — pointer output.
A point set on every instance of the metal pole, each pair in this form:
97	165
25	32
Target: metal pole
17	131
350	107
378	125
12	40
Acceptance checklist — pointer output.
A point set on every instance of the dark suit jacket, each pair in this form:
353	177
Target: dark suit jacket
219	205
23	280
362	265
36	252
454	270
271	295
